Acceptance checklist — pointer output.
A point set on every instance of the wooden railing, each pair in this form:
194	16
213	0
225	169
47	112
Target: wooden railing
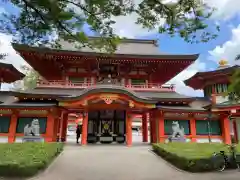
83	85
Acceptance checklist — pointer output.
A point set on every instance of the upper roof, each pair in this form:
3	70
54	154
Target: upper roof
9	74
57	62
126	46
198	80
130	50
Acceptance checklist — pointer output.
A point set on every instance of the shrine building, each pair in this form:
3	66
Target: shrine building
107	91
215	85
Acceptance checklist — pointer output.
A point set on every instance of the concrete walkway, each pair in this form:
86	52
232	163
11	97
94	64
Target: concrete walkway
108	162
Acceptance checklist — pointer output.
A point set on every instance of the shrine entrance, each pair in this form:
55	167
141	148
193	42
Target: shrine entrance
107	117
106	126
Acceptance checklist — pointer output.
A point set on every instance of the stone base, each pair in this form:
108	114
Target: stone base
32	139
177	139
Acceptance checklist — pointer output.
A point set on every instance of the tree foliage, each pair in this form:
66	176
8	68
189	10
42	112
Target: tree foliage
234	88
41	20
29	81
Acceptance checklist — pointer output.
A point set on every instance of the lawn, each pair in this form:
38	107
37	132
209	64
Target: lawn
193	157
26	159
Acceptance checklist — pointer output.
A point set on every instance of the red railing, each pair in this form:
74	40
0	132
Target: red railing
83	85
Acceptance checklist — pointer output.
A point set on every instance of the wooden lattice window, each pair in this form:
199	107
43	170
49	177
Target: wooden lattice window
203	129
23	121
138	81
5	124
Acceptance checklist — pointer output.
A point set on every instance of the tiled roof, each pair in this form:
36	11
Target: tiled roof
182	108
127	46
16	105
76	92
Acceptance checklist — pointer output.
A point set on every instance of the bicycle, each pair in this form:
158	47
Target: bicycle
225	161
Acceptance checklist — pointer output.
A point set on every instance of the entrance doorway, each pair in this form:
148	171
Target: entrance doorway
106	126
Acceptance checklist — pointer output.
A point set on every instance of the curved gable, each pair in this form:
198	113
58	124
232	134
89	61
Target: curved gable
108	89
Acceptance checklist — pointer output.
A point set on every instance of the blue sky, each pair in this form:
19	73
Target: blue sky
226	46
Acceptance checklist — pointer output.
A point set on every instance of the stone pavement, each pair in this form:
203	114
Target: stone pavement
118	162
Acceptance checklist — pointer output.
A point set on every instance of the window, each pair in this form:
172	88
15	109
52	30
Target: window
208	90
182	123
5	124
202	127
138	81
23	121
76	79
72	70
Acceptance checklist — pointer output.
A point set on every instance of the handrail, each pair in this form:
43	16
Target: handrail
69	84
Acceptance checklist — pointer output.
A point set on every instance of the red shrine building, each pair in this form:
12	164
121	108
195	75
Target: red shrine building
105	92
215	85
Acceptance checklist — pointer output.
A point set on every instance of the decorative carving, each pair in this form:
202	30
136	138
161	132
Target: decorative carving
33	129
85	103
109	98
131	104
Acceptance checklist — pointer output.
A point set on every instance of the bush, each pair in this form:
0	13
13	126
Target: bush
193	157
26	159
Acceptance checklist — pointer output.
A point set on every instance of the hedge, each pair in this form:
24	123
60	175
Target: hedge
192	157
26	159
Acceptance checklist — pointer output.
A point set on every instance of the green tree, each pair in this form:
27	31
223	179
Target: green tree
234	88
40	20
29	81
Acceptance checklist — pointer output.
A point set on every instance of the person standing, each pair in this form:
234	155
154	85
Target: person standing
78	132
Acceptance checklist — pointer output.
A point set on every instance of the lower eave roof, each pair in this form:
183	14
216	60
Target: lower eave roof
182	108
27	105
74	93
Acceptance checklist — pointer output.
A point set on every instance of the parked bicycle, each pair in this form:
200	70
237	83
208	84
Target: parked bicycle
222	160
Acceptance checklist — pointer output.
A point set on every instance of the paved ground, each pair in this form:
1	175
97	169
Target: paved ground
108	162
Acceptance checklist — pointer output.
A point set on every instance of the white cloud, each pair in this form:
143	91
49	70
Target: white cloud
186	74
125	25
226	9
2	10
6	48
229	49
11	58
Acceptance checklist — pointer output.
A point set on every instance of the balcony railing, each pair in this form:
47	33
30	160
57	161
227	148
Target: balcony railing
83	85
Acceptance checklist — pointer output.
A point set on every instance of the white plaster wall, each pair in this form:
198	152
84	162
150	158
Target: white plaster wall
205	140
187	140
221	99
18	139
199	103
4	139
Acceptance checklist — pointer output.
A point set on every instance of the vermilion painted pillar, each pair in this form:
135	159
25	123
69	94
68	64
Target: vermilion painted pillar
12	128
50	128
161	132
193	129
226	130
151	126
128	129
64	127
84	129
235	131
144	128
154	126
